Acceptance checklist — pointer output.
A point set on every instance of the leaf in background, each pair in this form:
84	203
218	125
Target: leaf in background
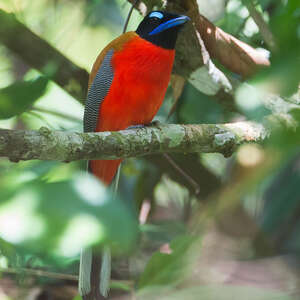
250	101
62	217
283	76
281	209
14	176
285	140
196	107
19	96
104	13
163	269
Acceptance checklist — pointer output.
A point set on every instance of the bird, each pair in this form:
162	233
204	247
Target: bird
129	80
126	88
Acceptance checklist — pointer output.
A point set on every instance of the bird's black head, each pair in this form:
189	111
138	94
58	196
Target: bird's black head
161	28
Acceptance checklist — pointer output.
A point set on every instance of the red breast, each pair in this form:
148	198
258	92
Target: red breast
142	72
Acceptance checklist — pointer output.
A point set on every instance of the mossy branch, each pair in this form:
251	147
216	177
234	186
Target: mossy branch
70	146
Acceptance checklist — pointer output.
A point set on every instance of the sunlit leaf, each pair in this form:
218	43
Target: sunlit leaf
62	217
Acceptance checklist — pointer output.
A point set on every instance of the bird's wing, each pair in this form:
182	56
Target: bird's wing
100	81
97	92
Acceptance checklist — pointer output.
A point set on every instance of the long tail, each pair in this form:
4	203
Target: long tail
95	268
94	274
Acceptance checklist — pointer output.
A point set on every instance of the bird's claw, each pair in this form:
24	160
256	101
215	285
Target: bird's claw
136	126
154	123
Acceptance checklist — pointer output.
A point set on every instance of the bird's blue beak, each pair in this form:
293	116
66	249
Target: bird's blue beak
169	24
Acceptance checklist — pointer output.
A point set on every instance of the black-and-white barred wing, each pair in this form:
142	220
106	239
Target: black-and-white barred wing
97	92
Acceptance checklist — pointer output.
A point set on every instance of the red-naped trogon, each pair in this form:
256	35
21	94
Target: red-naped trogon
127	86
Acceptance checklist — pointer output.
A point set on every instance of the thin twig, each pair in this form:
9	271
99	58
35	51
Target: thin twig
129	15
183	173
41	273
261	23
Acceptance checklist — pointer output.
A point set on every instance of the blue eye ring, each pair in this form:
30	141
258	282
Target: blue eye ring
156	14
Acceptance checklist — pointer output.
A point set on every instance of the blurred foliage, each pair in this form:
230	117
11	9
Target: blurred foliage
105	12
33	215
167	268
204	110
24	92
285	70
248	205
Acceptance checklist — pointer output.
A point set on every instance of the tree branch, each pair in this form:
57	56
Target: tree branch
40	55
70	146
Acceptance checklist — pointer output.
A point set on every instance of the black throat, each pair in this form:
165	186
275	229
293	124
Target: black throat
166	39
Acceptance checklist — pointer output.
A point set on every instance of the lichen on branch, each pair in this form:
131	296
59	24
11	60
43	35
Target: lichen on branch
71	146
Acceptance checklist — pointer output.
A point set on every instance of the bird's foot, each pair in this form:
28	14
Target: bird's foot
152	124
136	126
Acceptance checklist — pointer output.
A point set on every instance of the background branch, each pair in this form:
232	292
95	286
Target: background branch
39	54
261	23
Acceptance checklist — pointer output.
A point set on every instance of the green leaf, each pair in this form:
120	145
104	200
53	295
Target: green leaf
164	269
18	97
60	218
